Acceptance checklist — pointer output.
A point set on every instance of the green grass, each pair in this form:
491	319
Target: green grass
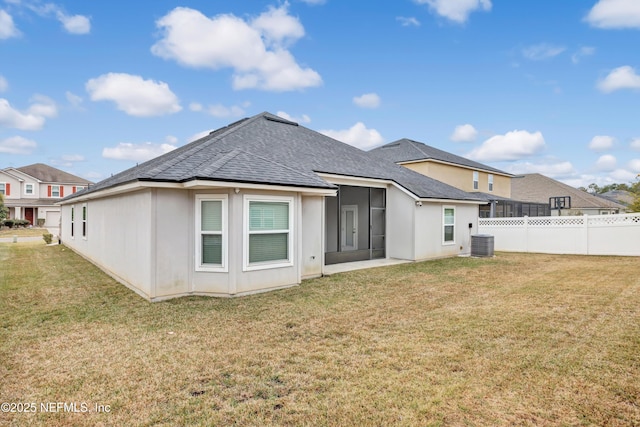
519	339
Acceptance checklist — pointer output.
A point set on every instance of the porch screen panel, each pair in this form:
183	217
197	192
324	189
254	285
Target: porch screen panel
268	231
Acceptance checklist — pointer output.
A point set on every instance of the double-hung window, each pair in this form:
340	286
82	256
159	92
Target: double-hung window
476	180
211	232
449	225
4	189
268	228
85	214
28	189
73	208
490	182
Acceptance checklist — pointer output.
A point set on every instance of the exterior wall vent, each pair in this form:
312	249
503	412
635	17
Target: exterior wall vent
482	245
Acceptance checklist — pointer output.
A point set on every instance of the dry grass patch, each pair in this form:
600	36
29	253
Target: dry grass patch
519	339
22	232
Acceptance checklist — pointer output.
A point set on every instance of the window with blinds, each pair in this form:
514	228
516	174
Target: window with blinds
211	232
449	221
269	232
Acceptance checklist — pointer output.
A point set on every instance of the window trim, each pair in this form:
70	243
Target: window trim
246	265
73	207
85	221
444	225
224	266
490	182
53	186
476	180
4	189
29	185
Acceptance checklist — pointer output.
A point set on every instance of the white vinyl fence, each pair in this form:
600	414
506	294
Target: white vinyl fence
583	235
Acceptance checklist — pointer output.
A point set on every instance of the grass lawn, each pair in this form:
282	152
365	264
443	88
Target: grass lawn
23	232
519	339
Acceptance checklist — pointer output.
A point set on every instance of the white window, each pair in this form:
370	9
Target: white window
3	188
268	232
78	188
28	189
211	232
55	191
476	180
85	215
490	182
72	219
449	225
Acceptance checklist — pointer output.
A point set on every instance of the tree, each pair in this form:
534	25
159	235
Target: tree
3	210
635	188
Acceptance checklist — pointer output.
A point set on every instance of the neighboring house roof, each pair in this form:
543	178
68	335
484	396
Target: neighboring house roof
619	196
12	203
45	173
406	150
539	188
266	149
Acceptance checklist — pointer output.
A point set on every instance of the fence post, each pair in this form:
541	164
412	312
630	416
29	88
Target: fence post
526	233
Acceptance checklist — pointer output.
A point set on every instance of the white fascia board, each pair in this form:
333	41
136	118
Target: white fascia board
356	181
455	201
196	185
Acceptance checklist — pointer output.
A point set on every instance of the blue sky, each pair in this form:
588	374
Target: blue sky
525	86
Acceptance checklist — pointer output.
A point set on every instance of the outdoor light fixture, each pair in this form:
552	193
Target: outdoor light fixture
418	203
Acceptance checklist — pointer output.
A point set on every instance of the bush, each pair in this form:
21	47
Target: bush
41	222
47	238
9	223
21	223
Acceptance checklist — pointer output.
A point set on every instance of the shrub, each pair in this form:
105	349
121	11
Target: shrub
47	238
41	222
21	223
9	223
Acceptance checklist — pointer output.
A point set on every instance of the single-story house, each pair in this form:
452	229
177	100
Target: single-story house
261	204
31	192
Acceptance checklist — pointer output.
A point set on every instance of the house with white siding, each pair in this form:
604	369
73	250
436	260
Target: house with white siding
261	204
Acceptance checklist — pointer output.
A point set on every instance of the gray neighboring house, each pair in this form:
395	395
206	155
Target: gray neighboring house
31	192
538	188
261	204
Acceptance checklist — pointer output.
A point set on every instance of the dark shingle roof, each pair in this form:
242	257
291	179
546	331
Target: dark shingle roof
406	150
47	173
270	150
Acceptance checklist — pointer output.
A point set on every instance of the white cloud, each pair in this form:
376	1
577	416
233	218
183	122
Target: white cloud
220	111
136	152
199	135
303	119
73	99
134	95
196	106
624	77
74	24
67	160
357	135
581	53
456	10
634	165
464	133
255	50
606	163
408	21
623	175
513	145
7	27
4	84
635	144
601	142
34	118
314	2
17	145
542	51
615	14
368	100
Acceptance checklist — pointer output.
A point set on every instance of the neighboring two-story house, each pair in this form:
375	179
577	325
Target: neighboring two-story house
31	192
490	184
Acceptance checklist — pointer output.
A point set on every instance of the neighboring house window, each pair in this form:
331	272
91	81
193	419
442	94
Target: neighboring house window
211	232
28	189
77	188
268	232
55	191
449	223
5	189
72	218
476	180
84	221
490	182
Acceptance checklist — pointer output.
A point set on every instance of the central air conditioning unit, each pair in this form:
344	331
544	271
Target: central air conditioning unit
482	245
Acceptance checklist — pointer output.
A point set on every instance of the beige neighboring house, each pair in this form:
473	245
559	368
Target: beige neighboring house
31	192
538	188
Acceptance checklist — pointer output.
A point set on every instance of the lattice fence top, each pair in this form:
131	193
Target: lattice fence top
566	221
